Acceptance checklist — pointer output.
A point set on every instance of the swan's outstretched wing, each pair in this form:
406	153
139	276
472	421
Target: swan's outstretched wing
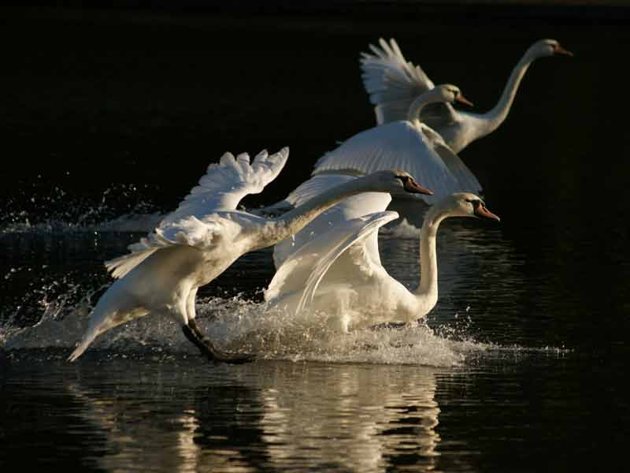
228	181
349	208
301	273
196	222
466	180
401	145
392	82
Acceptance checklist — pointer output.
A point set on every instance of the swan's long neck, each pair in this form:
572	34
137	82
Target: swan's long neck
294	220
413	113
427	290
499	112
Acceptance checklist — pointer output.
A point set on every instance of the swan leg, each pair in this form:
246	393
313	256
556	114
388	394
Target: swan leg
201	341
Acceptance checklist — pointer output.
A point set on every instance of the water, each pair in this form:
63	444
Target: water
521	365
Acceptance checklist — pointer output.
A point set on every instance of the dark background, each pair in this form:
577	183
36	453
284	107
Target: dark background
148	93
126	105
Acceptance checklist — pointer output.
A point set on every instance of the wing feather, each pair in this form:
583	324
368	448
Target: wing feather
301	274
391	81
227	182
349	208
401	145
197	221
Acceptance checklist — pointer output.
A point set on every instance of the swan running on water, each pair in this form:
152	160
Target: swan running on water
393	84
338	271
199	240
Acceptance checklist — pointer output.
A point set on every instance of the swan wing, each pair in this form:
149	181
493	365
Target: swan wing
196	222
465	177
391	81
356	231
305	268
349	208
404	145
228	181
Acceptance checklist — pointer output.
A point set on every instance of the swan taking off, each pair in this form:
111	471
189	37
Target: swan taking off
406	144
197	242
339	271
393	84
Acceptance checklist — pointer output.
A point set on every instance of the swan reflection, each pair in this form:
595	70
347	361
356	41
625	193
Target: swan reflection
267	416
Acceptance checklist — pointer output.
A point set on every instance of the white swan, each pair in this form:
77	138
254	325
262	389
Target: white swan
203	237
393	84
406	144
339	271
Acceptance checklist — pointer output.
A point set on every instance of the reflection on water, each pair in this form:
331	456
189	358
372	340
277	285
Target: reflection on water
274	416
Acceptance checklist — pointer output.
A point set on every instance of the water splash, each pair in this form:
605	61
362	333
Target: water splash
247	326
42	316
402	229
120	208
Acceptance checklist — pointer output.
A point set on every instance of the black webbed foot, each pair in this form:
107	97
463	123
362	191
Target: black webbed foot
203	343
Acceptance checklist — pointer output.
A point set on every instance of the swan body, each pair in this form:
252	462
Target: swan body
393	84
204	236
407	144
339	271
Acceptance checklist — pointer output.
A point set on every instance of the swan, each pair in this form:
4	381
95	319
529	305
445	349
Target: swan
393	84
406	144
199	240
339	271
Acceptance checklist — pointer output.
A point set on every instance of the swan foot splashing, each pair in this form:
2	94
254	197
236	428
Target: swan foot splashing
201	341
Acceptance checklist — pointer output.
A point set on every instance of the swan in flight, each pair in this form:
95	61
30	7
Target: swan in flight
199	240
334	266
393	84
406	144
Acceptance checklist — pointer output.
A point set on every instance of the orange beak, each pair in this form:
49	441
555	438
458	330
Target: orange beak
482	212
461	99
561	51
413	187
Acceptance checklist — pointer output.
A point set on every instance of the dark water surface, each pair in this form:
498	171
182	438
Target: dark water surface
107	118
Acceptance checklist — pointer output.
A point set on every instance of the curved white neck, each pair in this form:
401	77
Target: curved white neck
294	220
413	113
499	112
427	290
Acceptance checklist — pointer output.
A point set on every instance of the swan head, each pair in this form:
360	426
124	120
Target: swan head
546	48
450	93
466	204
396	181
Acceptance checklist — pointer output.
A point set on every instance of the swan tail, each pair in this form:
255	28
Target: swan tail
113	308
78	351
120	266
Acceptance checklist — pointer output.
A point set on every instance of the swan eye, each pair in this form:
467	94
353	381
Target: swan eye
475	202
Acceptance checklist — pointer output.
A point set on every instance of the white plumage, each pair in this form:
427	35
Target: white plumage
334	266
199	240
406	144
393	83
